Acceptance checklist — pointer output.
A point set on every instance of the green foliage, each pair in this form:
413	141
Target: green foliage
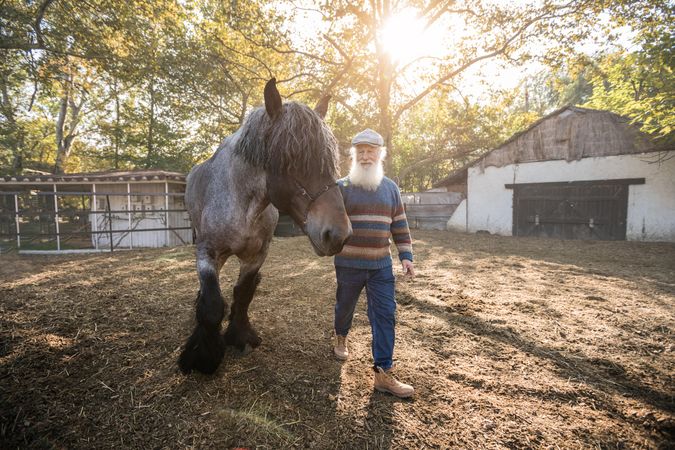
639	85
443	133
142	83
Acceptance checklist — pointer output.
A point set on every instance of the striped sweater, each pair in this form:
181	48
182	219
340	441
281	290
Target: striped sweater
376	216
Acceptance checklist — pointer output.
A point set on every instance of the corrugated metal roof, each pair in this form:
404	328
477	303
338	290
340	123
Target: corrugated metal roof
98	177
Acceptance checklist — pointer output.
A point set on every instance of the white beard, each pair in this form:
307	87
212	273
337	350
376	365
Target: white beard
368	178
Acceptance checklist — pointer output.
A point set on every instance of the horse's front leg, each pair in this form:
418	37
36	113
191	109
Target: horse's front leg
205	348
239	332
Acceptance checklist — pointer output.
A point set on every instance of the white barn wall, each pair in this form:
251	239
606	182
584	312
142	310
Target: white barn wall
489	203
651	207
457	221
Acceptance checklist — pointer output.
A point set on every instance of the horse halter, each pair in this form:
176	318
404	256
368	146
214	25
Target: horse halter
302	201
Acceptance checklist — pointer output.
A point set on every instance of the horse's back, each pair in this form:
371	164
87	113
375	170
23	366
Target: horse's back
218	196
199	183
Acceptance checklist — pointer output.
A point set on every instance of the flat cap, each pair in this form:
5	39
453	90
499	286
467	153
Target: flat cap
369	137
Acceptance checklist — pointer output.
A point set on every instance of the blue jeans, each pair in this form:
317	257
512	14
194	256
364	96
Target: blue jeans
379	284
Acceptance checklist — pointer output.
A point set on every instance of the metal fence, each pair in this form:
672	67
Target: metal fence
430	210
69	222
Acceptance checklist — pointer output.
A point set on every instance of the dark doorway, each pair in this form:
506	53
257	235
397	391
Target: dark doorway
574	210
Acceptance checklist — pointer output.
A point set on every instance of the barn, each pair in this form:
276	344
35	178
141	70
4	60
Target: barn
577	173
96	211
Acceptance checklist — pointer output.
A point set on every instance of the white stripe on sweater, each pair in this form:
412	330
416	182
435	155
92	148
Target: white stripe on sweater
370	218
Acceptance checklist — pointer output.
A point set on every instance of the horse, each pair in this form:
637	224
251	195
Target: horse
283	158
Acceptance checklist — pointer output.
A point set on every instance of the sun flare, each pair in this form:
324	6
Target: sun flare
405	37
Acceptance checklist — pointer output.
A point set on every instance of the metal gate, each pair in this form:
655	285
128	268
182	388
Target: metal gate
574	210
68	221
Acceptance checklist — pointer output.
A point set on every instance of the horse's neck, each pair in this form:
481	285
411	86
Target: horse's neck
248	185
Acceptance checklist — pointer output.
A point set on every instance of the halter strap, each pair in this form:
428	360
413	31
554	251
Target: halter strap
302	201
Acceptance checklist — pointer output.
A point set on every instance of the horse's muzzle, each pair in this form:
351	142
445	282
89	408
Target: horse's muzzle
333	239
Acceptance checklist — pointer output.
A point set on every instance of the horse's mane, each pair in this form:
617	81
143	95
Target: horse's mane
297	141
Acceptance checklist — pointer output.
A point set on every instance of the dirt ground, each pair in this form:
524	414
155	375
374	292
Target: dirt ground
509	342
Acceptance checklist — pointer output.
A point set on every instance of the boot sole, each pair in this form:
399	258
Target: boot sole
341	358
379	389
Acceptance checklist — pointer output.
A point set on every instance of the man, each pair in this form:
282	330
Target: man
373	204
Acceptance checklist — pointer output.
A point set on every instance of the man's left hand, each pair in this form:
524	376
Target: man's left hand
408	268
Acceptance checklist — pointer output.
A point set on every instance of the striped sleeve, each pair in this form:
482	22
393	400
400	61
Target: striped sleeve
400	230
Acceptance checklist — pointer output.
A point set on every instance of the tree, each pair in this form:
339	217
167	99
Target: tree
378	94
443	133
381	89
13	74
72	92
143	83
639	85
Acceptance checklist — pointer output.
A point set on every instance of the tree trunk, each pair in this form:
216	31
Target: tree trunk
385	77
16	132
66	124
61	157
151	126
118	128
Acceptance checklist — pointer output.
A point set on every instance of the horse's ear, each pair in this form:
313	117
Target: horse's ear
272	98
321	107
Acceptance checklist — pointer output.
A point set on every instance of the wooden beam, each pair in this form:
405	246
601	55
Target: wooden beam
579	183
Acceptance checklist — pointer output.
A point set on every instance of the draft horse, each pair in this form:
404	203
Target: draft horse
284	157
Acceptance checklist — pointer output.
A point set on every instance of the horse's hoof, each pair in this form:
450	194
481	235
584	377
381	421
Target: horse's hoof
203	352
254	340
245	340
247	349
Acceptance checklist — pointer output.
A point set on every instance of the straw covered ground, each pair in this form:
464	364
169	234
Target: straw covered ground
510	343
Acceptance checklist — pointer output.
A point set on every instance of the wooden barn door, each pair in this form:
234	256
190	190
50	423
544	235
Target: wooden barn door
575	210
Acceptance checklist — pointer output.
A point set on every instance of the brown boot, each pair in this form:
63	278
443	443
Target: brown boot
340	349
385	382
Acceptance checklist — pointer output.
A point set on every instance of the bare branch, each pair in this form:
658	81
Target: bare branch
314	10
300	75
355	114
337	47
338	77
458	152
208	99
31	65
301	91
414	61
283	52
38	21
502	49
7	44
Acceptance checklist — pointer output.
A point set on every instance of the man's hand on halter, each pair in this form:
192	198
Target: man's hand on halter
408	268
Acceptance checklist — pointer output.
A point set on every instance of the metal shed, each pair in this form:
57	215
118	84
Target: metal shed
100	211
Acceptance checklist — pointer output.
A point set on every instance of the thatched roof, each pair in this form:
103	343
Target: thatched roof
572	133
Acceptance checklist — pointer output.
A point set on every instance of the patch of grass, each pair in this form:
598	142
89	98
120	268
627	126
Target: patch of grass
255	426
